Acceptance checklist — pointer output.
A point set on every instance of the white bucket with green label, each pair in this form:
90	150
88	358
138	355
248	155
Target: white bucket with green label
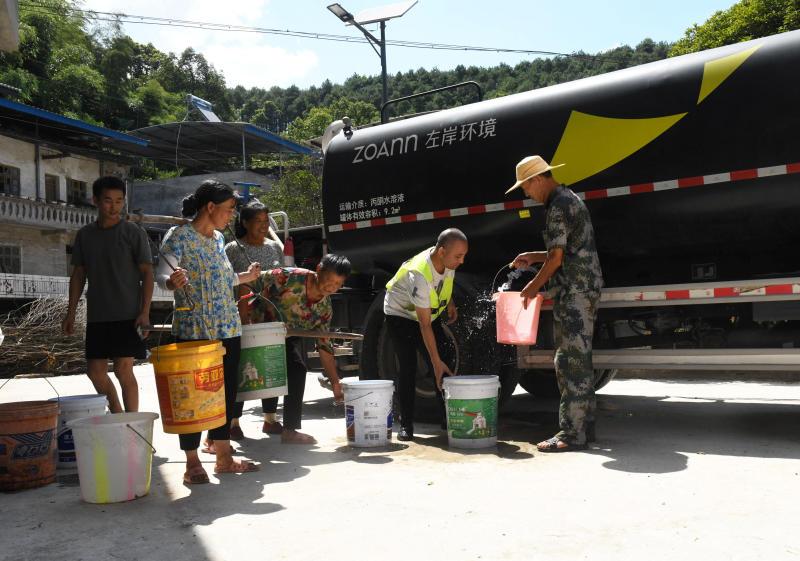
368	412
471	403
262	365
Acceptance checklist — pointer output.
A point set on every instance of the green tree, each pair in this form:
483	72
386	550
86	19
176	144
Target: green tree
310	125
268	116
298	193
360	112
314	122
75	88
748	19
154	105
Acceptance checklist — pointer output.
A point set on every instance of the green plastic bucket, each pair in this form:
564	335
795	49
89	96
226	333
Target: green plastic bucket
471	403
262	365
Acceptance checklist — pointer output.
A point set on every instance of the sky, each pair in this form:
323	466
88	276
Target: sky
262	60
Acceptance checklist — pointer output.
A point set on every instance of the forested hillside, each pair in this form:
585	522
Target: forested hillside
91	70
71	64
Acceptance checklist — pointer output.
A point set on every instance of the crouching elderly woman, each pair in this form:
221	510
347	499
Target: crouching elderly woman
303	299
194	265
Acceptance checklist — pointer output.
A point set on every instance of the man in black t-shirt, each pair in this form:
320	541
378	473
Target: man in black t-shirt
114	256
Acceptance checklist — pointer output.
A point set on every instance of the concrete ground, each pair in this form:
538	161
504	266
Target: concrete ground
683	469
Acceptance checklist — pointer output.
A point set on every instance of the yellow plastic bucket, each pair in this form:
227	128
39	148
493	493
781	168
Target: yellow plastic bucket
191	385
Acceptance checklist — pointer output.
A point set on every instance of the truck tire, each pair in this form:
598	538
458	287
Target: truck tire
425	403
373	325
542	383
603	377
509	378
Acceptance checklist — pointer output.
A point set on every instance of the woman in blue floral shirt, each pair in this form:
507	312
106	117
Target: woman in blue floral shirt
205	306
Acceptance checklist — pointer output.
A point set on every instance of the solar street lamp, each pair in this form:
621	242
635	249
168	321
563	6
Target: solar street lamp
374	15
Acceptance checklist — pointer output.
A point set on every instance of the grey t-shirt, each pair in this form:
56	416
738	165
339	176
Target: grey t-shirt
111	258
268	255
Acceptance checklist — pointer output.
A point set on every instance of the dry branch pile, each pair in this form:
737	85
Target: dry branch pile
34	342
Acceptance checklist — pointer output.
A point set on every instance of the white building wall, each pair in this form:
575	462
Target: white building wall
21	154
43	252
43	242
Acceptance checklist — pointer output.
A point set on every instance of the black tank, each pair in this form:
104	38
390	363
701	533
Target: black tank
690	168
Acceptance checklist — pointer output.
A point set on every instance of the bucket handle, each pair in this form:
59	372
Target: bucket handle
142	437
45	378
160	333
359	397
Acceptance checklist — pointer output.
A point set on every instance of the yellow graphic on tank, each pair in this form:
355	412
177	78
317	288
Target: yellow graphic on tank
593	143
717	71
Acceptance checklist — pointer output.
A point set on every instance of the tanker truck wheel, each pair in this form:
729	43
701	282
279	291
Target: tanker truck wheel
542	383
425	405
373	326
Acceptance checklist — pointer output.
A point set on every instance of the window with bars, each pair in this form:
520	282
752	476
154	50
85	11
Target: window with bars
77	193
51	188
9	180
10	259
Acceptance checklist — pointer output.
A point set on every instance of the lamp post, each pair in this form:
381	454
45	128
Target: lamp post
374	15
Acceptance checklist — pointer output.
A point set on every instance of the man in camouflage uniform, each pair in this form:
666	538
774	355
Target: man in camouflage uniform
572	264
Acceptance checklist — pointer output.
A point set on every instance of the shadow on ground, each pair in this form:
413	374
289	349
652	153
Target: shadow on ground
655	434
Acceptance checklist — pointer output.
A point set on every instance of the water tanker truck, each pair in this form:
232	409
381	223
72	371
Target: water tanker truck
690	168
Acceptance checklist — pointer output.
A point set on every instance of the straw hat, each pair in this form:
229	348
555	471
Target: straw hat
530	167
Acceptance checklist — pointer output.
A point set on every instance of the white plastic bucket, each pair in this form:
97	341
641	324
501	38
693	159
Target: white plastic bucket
74	407
115	456
368	412
471	410
262	366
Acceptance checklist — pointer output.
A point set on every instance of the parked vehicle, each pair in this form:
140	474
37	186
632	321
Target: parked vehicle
690	168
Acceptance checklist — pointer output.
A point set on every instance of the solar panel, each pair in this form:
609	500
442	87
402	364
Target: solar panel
204	107
383	13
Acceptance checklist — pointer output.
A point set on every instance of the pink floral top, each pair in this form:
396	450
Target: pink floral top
286	287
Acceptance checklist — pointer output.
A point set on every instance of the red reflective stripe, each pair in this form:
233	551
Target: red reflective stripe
636	189
677	294
725	292
744	174
690	181
642	188
596	194
779	289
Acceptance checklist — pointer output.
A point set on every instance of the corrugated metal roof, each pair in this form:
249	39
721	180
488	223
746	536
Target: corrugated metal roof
206	144
69	122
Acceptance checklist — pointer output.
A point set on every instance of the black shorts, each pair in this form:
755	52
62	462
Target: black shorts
113	339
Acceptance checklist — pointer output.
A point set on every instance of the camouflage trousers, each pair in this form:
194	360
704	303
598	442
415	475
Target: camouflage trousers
574	314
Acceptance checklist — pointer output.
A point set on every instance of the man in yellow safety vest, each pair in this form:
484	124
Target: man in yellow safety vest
415	298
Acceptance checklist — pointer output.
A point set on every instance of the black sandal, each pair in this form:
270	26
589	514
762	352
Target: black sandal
551	445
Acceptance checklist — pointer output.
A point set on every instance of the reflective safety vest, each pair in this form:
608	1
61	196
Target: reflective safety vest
420	264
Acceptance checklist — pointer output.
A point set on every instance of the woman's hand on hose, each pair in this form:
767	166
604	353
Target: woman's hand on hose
178	279
253	272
